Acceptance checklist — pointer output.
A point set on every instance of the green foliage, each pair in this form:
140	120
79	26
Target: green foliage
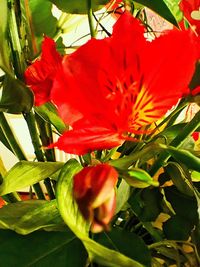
41	249
49	113
176	228
78	6
127	243
185	157
42	20
180	177
27	216
183	205
16	97
146	203
27	173
40	17
72	217
4	55
160	7
139	178
173	5
149	216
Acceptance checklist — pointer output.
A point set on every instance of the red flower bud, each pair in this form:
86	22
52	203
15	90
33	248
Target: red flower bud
95	194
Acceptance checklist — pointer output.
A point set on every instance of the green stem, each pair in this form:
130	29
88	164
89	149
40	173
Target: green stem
30	120
176	142
18	59
46	138
90	18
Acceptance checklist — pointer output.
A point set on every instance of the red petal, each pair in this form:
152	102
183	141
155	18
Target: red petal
82	141
191	11
167	66
39	76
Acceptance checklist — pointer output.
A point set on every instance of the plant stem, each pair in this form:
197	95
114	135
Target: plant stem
176	142
90	18
18	59
46	138
31	122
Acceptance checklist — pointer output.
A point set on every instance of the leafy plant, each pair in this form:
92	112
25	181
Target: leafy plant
121	104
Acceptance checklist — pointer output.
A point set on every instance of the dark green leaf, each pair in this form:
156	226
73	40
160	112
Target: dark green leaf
26	173
41	249
160	7
50	114
146	204
25	217
16	97
179	178
78	6
127	243
184	206
177	228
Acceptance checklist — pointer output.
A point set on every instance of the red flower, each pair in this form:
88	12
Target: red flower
191	11
111	87
39	76
95	194
196	136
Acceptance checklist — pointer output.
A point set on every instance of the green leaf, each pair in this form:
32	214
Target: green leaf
123	193
148	152
124	242
41	249
179	178
146	204
25	217
195	176
4	55
72	217
196	77
43	20
26	173
66	204
176	228
139	178
190	160
16	97
160	7
50	114
169	133
184	206
173	6
78	6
